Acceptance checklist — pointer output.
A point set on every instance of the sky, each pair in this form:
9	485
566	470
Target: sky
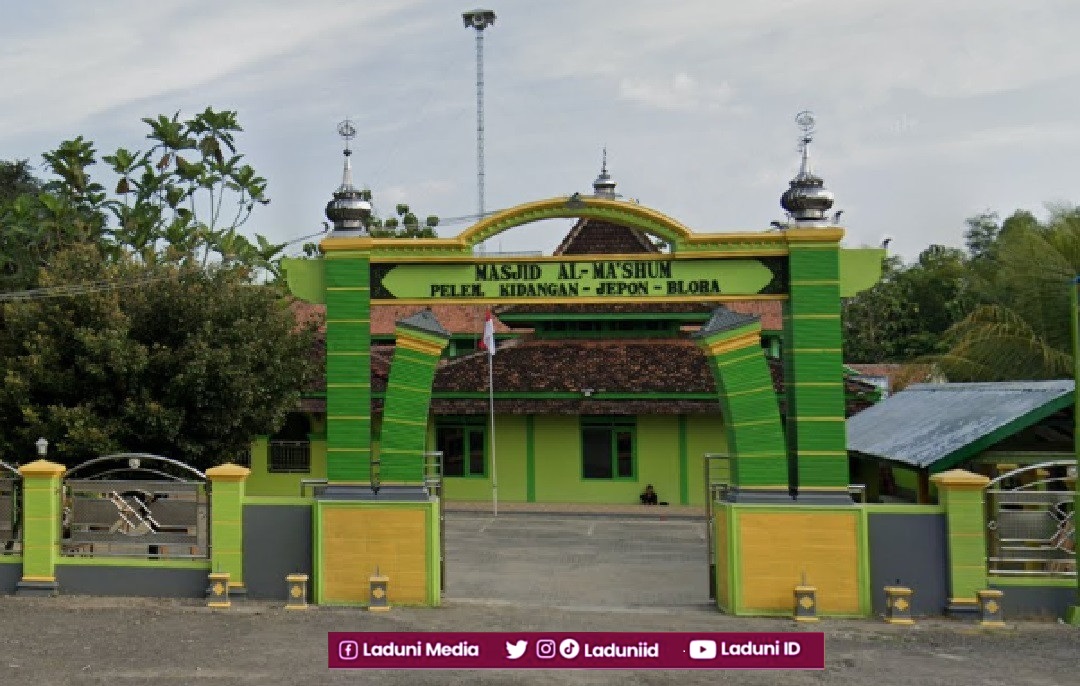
927	112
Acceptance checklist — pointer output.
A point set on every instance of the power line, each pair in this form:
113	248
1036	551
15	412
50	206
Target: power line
69	290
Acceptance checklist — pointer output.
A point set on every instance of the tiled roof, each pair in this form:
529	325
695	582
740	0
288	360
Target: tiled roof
770	311
455	319
668	367
598	237
638	366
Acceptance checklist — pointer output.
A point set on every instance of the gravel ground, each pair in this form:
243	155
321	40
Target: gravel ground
517	572
78	640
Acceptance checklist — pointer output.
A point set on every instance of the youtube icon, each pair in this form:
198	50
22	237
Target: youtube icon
703	650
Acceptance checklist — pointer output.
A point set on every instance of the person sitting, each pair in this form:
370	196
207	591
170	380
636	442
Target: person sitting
648	497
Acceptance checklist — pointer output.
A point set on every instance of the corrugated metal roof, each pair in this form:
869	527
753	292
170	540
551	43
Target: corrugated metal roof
926	423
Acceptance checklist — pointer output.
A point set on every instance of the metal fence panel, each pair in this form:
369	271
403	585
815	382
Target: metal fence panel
1031	523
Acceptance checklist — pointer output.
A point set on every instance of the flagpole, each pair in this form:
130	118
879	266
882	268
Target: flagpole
494	467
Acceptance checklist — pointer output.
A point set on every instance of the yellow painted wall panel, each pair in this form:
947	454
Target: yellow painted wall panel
777	548
355	542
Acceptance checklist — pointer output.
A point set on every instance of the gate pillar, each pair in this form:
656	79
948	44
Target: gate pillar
420	340
961	492
732	343
41	527
227	523
813	377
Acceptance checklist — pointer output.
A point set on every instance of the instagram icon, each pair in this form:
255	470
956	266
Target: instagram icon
545	649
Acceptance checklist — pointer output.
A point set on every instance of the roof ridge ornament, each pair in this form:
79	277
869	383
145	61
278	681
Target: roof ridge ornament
604	186
806	200
349	210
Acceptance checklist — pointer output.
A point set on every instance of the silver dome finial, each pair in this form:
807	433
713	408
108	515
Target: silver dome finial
604	186
806	200
349	210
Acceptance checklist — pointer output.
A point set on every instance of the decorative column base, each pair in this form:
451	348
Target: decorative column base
298	585
380	593
806	604
218	592
990	608
898	605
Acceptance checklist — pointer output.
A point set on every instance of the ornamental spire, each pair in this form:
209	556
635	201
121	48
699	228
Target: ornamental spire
349	210
806	200
604	186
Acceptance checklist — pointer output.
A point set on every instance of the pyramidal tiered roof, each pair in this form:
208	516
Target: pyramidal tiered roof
598	237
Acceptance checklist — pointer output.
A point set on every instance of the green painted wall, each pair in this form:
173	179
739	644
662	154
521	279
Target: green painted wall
262	482
658	457
704	434
558	462
556	453
510	445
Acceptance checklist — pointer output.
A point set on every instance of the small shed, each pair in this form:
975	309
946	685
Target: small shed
988	428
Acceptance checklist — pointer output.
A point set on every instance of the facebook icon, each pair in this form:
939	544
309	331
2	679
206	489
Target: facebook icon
348	650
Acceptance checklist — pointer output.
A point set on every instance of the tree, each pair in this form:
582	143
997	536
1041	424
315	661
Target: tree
1022	330
905	316
186	361
405	225
184	198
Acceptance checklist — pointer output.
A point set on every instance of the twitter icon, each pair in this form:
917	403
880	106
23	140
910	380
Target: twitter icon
516	650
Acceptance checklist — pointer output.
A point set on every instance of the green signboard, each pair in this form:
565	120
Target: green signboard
567	281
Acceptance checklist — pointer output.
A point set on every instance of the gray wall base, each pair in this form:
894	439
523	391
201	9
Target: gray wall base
277	542
964	611
10	575
909	550
37	588
1036	602
384	494
805	497
147	582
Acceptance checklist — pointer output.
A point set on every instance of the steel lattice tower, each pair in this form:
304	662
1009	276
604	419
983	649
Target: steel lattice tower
479	20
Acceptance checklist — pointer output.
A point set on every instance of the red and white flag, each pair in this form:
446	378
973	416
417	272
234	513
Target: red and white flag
488	341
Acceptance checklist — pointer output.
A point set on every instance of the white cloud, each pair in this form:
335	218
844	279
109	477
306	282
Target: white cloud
681	92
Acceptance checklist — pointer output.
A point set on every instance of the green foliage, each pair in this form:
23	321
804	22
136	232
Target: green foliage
189	362
905	316
999	311
1022	330
405	225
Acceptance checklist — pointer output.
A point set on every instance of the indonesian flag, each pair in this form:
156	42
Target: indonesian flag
488	341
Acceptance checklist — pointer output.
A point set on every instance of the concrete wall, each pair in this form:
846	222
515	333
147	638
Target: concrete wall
10	573
543	463
139	579
909	547
263	482
1035	598
277	542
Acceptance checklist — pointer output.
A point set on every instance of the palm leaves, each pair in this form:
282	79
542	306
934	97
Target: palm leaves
1023	328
